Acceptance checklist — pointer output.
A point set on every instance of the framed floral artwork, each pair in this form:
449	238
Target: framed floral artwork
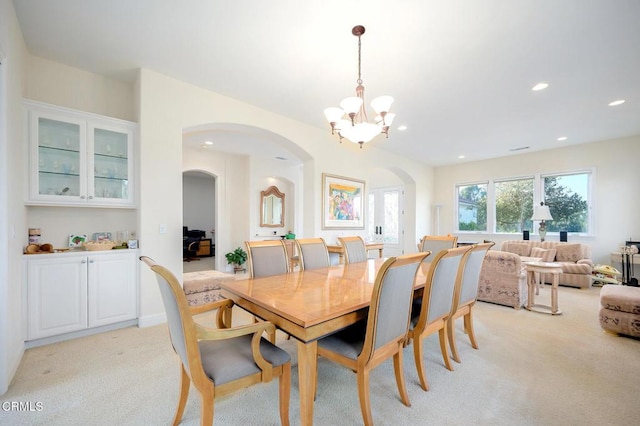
342	202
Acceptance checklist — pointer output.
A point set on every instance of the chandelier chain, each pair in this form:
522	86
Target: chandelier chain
359	62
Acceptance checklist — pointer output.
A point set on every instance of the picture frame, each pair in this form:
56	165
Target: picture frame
342	202
76	241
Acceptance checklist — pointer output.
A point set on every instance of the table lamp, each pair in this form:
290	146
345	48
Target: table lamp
542	213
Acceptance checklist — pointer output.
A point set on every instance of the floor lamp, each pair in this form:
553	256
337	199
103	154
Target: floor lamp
542	214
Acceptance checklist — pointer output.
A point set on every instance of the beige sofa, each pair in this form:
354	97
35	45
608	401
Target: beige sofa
503	280
575	258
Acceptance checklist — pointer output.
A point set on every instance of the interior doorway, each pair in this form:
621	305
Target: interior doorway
199	220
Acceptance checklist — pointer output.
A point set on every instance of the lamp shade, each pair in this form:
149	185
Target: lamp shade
333	114
361	132
541	213
382	104
351	105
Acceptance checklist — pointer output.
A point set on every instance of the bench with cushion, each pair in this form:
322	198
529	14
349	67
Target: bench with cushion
203	287
620	309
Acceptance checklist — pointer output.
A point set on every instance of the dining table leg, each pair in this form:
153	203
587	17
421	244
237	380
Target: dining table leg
307	377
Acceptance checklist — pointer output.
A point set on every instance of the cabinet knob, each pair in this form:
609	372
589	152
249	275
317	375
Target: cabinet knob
82	197
91	197
91	261
84	261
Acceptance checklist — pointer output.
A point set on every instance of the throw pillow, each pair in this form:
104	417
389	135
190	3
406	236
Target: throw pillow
568	252
519	249
547	255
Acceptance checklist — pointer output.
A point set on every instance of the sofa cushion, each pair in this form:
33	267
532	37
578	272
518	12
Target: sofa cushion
569	252
547	255
521	249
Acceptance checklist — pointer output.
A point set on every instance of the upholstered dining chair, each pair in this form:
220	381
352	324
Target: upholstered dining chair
219	360
313	253
267	258
431	311
354	249
465	296
435	244
364	345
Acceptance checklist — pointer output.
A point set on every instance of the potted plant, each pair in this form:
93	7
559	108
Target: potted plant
236	258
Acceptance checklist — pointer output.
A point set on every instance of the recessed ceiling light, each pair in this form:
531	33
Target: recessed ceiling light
540	86
403	127
460	157
203	145
562	138
208	143
616	103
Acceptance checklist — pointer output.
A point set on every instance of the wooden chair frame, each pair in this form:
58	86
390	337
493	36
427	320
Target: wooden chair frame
369	358
344	242
267	243
195	373
465	309
424	327
453	239
304	241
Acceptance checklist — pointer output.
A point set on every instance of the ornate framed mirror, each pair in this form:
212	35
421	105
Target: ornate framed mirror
272	208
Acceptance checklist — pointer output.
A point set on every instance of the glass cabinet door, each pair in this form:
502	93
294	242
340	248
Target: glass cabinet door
111	169
79	159
60	158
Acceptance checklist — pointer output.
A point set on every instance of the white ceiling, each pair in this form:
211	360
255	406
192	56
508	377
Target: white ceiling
460	71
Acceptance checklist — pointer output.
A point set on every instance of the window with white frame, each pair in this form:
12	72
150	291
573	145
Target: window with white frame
514	205
472	207
568	196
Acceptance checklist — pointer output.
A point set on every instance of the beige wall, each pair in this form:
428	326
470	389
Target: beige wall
614	205
169	106
12	211
59	84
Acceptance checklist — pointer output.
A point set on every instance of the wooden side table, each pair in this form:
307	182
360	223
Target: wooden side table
540	268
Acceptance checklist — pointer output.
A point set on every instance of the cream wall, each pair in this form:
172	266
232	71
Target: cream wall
13	216
167	106
614	206
79	89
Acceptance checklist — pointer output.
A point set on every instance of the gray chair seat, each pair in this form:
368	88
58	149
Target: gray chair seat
231	359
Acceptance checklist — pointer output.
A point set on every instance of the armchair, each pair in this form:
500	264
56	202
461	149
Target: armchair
223	360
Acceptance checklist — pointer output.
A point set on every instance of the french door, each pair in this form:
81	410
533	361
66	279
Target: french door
384	219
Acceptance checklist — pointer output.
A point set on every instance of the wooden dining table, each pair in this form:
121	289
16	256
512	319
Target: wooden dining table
309	305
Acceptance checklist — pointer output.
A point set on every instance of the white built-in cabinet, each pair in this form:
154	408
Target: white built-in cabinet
78	158
68	292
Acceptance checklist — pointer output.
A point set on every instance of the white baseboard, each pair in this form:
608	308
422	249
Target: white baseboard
151	320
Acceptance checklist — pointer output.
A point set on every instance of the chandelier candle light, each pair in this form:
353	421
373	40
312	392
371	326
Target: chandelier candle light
542	213
357	128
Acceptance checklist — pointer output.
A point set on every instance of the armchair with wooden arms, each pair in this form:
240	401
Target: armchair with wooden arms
219	361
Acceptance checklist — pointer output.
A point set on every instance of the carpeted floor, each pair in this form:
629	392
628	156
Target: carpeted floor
531	369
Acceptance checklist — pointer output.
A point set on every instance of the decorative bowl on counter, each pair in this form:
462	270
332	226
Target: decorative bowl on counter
99	245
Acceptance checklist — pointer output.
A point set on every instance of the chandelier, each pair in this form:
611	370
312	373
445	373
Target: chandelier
357	128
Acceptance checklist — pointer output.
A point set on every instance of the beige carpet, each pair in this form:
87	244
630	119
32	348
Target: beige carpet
531	369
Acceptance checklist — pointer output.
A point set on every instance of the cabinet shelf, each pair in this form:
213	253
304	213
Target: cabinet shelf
53	148
111	178
118	157
45	172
